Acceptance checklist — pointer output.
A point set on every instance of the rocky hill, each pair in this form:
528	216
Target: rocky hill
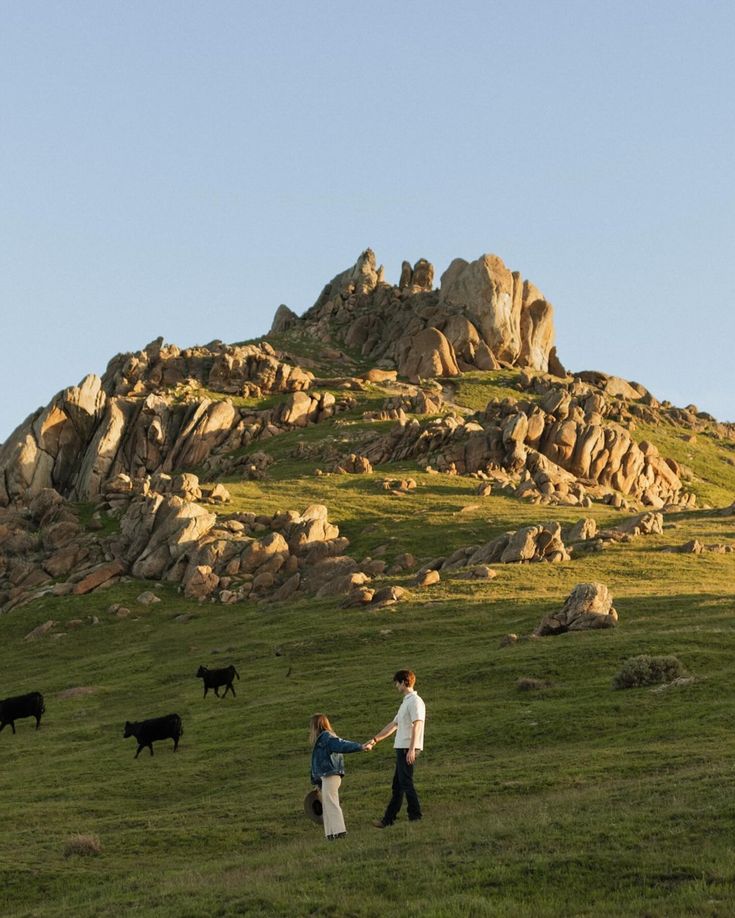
123	475
352	494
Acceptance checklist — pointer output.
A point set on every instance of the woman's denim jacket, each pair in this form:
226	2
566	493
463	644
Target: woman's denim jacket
327	758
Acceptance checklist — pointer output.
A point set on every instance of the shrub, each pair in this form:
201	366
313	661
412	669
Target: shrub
647	670
83	845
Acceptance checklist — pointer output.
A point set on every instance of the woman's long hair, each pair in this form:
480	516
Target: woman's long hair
317	725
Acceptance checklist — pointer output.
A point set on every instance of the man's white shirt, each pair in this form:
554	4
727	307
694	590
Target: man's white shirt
412	708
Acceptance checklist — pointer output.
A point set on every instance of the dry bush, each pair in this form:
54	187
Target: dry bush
647	670
83	845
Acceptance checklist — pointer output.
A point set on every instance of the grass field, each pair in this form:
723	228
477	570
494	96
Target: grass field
574	799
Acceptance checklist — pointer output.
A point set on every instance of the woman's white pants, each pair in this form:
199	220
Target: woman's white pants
334	821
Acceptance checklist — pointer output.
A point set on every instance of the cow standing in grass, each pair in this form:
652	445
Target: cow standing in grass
12	709
150	731
216	678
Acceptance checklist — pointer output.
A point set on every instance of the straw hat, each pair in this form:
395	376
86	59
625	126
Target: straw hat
313	805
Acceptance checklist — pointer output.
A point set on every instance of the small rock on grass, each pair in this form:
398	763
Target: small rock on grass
40	631
148	598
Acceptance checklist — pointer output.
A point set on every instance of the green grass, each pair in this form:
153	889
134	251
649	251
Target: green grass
574	800
239	401
475	389
571	800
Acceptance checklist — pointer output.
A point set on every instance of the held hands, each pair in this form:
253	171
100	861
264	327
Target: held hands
368	747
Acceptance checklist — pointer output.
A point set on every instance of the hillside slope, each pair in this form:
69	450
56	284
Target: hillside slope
282	499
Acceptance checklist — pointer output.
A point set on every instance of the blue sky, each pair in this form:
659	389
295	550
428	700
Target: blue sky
180	169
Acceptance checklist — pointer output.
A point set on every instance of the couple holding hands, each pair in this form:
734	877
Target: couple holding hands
328	750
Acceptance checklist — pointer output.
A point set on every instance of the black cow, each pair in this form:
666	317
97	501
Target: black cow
214	678
30	705
150	731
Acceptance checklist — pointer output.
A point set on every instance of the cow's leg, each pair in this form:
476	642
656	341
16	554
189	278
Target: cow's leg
232	689
140	746
176	743
12	724
150	746
38	721
3	725
206	689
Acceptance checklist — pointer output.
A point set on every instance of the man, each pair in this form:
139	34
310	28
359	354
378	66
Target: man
408	725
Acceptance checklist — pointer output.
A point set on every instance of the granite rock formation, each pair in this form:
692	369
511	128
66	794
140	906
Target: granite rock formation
482	316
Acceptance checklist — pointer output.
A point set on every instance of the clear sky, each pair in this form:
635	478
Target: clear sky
181	168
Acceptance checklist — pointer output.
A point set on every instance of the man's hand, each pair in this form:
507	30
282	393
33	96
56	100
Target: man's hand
368	747
411	756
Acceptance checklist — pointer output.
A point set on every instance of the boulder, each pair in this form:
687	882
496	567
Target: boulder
201	584
176	528
511	316
376	375
426	354
260	552
582	530
288	588
355	464
389	595
588	606
40	631
299	409
218	494
100	575
284	319
146	598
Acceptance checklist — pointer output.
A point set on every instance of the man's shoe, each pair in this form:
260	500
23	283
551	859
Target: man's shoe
415	818
380	824
340	835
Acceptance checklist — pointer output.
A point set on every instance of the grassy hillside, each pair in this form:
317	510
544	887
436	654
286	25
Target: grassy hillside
571	799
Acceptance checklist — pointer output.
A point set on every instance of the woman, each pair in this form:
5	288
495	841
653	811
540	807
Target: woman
327	770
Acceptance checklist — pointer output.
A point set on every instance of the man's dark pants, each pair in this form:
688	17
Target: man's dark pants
402	784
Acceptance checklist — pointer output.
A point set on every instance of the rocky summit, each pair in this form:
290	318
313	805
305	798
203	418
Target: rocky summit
151	448
482	316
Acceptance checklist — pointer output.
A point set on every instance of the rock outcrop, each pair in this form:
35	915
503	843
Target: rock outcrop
87	436
248	369
525	545
560	447
588	606
482	317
